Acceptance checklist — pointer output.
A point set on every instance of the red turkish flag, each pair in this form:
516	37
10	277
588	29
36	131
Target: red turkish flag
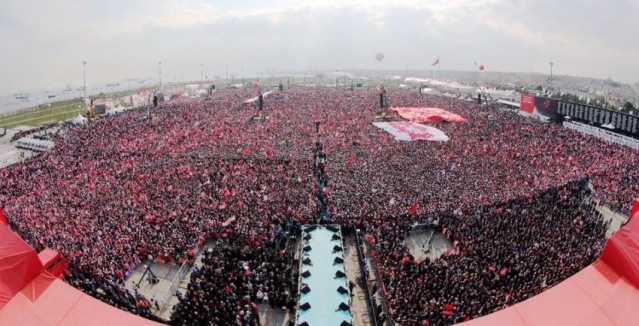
413	209
351	160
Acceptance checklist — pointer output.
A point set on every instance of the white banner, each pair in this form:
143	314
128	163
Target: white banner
410	131
606	135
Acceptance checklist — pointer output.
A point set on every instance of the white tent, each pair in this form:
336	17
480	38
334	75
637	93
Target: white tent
115	110
79	120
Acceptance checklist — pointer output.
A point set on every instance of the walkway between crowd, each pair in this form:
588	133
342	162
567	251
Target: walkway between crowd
360	309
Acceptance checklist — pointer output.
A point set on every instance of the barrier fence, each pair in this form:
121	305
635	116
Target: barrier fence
606	135
364	258
365	285
175	283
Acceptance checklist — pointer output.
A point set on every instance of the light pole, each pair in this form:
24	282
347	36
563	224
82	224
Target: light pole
160	70
84	85
475	73
201	75
551	64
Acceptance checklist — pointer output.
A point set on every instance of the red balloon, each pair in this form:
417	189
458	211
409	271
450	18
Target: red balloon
481	67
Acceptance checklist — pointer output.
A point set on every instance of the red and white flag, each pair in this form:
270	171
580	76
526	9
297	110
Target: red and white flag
351	161
413	209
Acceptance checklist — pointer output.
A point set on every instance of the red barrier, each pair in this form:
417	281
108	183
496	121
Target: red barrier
30	296
19	264
3	218
634	212
52	262
622	252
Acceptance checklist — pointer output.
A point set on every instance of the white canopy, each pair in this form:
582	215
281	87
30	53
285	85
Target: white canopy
79	120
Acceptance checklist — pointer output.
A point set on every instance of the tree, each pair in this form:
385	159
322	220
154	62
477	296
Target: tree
628	106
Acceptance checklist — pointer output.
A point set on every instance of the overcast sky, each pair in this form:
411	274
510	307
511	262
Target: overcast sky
44	42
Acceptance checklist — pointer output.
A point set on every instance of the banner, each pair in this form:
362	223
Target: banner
547	108
543	108
422	115
410	131
621	122
606	135
527	103
555	110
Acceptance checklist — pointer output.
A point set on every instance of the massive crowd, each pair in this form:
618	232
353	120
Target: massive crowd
124	188
235	278
487	160
504	254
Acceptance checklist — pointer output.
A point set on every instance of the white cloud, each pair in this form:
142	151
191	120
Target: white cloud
186	13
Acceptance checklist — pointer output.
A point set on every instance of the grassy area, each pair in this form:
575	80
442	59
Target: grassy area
40	120
43	114
64	110
57	111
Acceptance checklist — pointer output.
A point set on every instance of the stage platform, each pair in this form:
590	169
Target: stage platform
429	244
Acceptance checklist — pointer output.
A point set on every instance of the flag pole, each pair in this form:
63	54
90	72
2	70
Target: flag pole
433	69
475	73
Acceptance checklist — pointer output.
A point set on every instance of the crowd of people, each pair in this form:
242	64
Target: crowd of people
235	278
128	187
503	254
496	156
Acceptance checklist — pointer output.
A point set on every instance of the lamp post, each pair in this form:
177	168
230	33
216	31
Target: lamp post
551	64
476	73
160	72
84	85
201	75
